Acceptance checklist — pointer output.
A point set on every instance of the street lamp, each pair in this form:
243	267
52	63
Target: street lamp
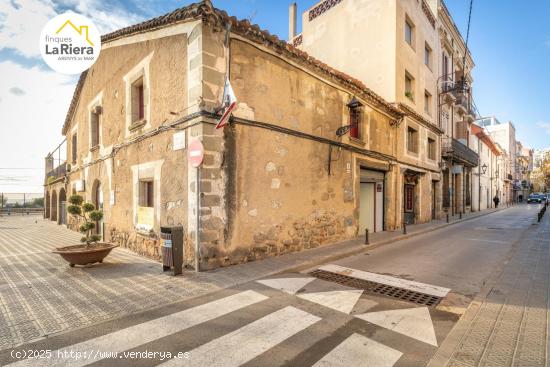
484	168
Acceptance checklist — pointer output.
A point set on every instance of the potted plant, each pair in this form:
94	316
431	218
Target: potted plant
91	251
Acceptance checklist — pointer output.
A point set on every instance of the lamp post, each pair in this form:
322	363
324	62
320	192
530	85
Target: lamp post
484	168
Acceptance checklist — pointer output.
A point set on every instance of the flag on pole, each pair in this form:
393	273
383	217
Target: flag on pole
229	101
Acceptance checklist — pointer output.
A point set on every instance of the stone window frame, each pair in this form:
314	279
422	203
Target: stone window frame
431	141
95	107
73	133
416	146
140	71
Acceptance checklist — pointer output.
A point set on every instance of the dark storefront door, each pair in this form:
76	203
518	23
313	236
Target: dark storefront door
409	204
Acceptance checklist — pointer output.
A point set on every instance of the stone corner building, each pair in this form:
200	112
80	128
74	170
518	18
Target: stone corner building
312	156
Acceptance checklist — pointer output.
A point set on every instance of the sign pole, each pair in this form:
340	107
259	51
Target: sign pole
197	231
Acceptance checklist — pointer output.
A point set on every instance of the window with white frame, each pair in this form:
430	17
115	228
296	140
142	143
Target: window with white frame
138	96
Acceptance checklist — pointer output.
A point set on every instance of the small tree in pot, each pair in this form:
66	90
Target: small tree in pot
86	212
91	251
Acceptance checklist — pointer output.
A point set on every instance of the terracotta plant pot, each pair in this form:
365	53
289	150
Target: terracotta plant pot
84	255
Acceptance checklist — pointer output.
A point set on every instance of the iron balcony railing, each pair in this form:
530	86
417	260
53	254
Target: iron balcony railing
57	172
458	151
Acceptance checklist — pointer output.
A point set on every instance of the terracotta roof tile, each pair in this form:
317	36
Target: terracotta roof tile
205	11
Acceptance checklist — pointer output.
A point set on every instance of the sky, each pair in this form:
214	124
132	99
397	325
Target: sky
509	41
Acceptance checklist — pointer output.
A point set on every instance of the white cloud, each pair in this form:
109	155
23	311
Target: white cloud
21	21
545	126
107	18
31	123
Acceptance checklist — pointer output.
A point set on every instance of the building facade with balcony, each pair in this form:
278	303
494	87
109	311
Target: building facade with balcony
392	47
456	113
524	169
311	155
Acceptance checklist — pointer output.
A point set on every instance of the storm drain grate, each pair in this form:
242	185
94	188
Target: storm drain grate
378	288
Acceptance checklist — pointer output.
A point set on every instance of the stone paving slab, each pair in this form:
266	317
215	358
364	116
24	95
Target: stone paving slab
507	324
40	294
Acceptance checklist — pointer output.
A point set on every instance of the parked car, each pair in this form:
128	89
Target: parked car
536	198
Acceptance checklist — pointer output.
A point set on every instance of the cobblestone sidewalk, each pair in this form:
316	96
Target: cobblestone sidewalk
40	294
507	324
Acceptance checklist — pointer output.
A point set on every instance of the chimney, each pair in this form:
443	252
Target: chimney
291	21
48	163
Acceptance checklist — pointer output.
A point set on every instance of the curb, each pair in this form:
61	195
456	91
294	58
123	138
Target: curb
456	335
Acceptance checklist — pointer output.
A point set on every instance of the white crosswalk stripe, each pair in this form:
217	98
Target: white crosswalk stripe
248	342
149	331
360	351
412	322
287	285
342	301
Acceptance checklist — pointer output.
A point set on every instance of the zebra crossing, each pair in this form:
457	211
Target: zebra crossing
291	320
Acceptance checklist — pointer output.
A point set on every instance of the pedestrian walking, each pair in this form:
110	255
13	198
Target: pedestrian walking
496	200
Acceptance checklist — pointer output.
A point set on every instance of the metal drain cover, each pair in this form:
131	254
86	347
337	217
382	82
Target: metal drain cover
378	288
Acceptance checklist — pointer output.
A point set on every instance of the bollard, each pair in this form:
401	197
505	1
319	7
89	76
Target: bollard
404	227
366	236
447	217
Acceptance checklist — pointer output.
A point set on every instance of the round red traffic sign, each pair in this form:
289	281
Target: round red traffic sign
195	153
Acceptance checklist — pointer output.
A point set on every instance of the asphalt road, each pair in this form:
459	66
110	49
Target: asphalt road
296	319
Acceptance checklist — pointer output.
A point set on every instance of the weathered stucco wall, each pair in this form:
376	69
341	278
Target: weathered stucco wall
280	196
167	100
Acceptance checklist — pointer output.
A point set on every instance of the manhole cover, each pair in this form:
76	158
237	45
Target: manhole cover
378	288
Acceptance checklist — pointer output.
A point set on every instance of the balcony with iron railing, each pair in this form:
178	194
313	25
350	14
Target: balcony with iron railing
458	151
55	163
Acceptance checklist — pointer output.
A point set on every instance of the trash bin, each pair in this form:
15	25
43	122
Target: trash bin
171	242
